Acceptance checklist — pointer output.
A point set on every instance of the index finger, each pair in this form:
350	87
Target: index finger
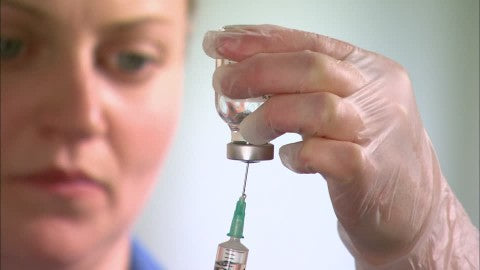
240	42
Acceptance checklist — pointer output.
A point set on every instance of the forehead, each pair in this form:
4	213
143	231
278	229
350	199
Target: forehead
100	12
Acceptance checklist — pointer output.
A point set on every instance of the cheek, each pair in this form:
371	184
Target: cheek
140	139
144	131
16	103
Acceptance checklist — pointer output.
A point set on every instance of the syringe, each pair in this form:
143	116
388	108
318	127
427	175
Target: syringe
232	255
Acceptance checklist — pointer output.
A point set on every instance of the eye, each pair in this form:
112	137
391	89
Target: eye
131	62
10	48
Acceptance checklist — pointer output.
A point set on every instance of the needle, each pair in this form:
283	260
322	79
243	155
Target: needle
245	181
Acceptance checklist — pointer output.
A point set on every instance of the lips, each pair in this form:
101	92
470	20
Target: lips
61	182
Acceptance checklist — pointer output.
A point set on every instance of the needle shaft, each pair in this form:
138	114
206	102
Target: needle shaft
245	180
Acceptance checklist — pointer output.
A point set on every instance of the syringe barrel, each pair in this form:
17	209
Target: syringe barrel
231	255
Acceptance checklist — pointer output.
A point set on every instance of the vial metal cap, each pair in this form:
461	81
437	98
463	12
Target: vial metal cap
243	151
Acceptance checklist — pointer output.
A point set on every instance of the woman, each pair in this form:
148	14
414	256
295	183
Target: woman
90	92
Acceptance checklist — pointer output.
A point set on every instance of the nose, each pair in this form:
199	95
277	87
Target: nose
71	108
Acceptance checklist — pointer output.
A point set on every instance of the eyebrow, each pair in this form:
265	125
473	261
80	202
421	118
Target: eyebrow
122	25
32	10
133	23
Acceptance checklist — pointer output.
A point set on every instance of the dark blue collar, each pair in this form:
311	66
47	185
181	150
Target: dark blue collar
140	258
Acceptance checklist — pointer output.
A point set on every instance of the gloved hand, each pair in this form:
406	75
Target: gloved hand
362	131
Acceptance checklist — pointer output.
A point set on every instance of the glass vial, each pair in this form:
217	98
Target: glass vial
233	111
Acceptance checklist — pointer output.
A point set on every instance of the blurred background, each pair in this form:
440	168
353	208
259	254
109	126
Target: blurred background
290	223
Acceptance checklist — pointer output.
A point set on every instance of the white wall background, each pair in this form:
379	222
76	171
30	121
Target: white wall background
290	223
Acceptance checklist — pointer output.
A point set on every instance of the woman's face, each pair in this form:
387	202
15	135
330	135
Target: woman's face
90	96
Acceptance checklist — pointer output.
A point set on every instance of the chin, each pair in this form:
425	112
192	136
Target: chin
51	243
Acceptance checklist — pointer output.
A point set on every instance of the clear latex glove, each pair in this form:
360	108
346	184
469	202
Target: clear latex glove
362	131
